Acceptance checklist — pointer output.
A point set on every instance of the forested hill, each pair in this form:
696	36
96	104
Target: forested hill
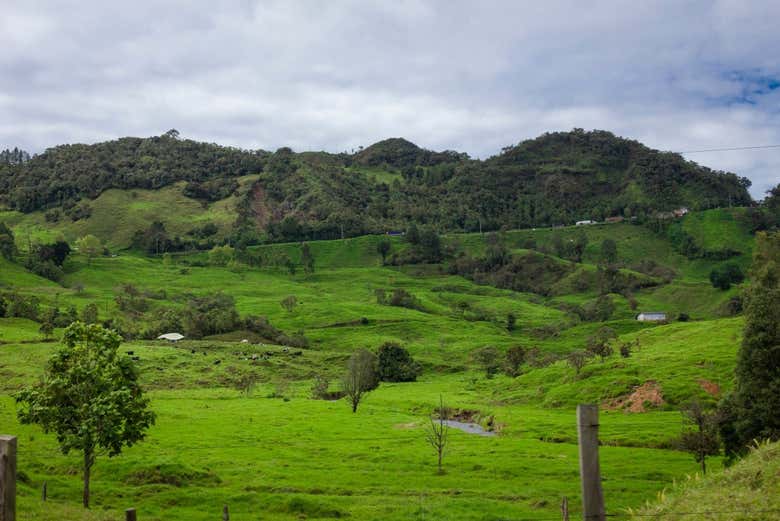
556	178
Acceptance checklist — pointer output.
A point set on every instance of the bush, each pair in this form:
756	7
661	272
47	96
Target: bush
395	364
488	359
515	357
725	275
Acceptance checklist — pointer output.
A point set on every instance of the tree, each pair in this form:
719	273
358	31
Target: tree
609	251
361	377
723	276
288	303
395	364
488	359
307	259
413	234
579	245
511	321
47	323
515	357
383	248
577	359
90	397
90	246
598	343
700	433
438	432
89	315
7	242
751	411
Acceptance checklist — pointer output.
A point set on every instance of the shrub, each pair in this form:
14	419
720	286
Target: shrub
395	364
488	359
515	357
725	275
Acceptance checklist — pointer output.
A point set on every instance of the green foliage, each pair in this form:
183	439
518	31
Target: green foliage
726	274
361	377
210	314
515	357
307	258
90	246
221	255
90	397
489	360
751	412
383	248
89	315
609	251
700	435
395	364
7	242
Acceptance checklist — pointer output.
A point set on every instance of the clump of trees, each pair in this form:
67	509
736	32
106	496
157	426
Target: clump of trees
398	297
90	398
725	275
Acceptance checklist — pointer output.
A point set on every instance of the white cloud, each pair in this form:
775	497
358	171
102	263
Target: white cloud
445	74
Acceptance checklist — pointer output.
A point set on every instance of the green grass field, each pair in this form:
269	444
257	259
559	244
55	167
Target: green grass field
276	453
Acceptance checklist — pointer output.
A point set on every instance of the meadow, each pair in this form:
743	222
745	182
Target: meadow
274	452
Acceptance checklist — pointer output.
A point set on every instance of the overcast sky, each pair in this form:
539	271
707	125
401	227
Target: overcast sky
333	75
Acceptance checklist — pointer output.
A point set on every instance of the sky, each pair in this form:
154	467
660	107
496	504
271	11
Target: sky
472	76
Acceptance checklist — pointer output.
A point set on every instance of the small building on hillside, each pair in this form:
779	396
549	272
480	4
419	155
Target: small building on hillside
652	316
171	337
584	223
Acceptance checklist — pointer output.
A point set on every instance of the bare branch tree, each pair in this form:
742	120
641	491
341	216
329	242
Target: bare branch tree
438	431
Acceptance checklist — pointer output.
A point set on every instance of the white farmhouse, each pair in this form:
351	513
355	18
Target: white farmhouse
651	316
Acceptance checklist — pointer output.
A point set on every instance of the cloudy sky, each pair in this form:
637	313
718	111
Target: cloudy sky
472	76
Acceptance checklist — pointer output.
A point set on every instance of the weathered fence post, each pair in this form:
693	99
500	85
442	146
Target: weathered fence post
565	509
7	478
130	514
43	492
590	473
225	513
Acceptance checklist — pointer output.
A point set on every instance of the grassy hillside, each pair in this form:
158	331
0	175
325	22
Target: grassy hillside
749	490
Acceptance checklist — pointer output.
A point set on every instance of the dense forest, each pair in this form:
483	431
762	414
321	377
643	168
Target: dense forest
556	178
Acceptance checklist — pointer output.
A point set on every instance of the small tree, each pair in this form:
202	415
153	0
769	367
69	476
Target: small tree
438	432
577	359
511	321
307	259
288	303
90	397
89	315
700	433
515	357
383	248
90	246
598	343
221	255
395	364
47	323
609	251
488	359
7	242
360	377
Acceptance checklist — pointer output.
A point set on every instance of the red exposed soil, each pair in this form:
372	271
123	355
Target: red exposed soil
710	387
646	395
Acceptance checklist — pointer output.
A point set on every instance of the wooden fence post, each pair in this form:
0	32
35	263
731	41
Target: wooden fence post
7	478
225	513
590	473
565	508
130	514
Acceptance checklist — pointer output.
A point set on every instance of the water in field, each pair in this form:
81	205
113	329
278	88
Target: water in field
470	428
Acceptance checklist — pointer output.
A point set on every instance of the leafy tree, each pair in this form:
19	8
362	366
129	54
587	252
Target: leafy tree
579	245
90	246
361	377
210	314
383	248
413	234
488	359
395	364
7	242
438	432
90	397
577	359
515	357
288	303
700	434
55	252
307	259
751	410
609	251
48	323
89	315
598	343
511	321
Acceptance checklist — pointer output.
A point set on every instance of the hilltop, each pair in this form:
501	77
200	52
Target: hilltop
257	196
